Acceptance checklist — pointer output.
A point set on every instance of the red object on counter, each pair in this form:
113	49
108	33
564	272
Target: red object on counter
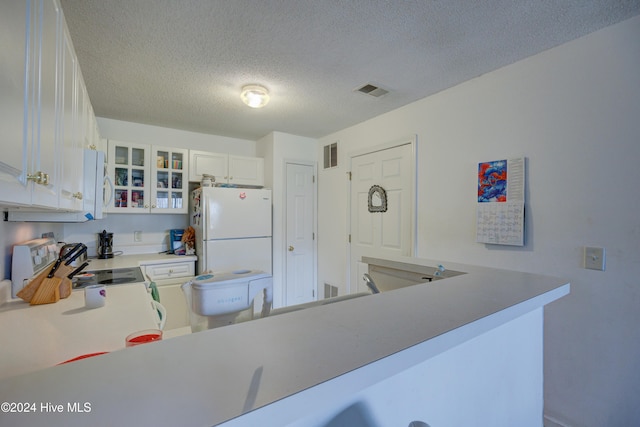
84	356
143	337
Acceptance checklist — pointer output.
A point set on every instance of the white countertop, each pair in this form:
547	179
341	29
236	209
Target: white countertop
40	336
213	376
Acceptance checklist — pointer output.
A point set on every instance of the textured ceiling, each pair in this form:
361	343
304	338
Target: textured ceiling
181	63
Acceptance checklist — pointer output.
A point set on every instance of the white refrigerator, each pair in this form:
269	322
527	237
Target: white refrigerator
233	228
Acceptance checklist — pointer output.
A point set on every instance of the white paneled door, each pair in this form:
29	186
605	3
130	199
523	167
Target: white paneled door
379	229
300	225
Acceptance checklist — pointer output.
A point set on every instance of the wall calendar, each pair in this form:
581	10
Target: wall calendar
500	210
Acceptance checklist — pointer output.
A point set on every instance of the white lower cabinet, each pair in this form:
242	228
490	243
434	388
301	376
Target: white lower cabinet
169	278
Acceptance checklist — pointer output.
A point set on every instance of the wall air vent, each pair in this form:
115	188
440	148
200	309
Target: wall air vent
372	90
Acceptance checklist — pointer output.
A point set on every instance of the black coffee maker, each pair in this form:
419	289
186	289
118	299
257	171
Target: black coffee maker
105	245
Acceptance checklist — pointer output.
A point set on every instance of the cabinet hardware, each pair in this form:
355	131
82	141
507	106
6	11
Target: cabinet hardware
77	195
39	178
291	248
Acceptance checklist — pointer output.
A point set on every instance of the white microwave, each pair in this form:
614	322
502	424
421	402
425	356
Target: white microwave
96	195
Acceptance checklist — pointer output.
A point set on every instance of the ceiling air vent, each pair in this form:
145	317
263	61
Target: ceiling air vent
372	90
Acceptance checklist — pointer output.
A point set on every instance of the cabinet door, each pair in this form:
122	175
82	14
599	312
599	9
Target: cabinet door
14	24
129	170
203	162
28	83
93	135
45	157
72	104
246	170
169	168
173	300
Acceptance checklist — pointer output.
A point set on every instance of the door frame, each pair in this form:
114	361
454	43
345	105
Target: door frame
413	141
284	244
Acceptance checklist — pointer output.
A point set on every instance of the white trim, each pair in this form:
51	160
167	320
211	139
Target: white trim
314	166
411	140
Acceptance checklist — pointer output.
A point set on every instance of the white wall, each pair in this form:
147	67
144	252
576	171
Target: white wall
574	112
277	148
145	134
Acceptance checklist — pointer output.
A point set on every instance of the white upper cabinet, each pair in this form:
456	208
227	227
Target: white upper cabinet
204	162
71	132
43	79
226	168
20	39
169	186
128	167
147	178
40	82
246	170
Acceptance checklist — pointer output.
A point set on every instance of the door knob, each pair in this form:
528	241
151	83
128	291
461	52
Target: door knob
291	248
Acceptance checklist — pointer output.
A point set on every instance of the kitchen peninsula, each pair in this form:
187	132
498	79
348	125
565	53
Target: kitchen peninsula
457	351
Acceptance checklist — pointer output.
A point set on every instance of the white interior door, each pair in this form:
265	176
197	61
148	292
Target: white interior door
381	233
300	224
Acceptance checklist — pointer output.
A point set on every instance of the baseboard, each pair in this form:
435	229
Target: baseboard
550	421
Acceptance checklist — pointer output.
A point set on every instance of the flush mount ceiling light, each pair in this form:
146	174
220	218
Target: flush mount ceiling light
255	96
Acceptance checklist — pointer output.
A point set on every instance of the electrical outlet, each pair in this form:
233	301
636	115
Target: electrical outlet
137	236
594	258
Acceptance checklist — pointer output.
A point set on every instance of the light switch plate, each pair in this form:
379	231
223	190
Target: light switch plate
594	258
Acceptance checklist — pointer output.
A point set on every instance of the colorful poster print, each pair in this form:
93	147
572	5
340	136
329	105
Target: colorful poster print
492	181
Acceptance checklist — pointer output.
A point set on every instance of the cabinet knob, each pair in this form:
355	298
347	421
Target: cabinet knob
291	248
39	177
146	206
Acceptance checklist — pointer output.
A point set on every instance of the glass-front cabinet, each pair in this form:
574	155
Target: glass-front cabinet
129	170
147	178
169	176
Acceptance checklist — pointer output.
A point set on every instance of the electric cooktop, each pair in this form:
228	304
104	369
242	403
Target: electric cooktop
117	276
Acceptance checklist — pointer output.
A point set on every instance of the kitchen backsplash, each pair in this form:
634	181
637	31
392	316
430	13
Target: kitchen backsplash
132	234
152	236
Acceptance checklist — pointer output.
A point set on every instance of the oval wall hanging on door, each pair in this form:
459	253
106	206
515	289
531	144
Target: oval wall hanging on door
377	199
